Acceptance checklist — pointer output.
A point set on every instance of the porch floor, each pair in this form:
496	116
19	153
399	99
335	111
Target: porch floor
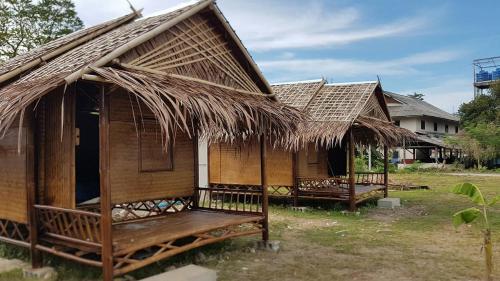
360	189
134	235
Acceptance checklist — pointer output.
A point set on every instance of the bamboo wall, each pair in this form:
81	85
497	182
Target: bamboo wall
13	181
233	164
128	183
312	162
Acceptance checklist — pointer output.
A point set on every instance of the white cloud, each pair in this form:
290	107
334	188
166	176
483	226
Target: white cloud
271	25
291	69
96	11
276	25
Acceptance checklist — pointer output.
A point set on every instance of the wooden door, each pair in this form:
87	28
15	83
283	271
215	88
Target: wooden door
57	149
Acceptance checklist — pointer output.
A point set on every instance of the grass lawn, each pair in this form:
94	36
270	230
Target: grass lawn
416	242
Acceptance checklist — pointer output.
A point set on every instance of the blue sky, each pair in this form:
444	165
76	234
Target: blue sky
423	46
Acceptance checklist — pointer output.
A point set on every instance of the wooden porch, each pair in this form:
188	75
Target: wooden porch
148	231
368	185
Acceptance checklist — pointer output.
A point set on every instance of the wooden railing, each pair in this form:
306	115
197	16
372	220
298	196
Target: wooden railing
72	227
135	210
369	178
322	184
328	188
14	232
231	198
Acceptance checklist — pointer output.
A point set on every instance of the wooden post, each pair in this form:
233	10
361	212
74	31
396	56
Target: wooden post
436	155
352	176
31	187
105	189
196	197
404	152
263	181
295	179
386	172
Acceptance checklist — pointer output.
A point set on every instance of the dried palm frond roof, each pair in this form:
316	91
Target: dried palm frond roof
43	53
332	109
110	41
219	113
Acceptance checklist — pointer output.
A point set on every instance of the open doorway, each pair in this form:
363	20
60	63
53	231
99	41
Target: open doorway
87	147
337	160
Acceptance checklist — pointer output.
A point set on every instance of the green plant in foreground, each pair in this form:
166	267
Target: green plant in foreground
470	214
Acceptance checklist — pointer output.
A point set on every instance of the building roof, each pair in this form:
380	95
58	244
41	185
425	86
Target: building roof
328	102
342	102
297	94
195	66
406	106
334	108
46	49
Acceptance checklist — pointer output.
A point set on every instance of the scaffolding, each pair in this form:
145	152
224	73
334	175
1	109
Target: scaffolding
486	73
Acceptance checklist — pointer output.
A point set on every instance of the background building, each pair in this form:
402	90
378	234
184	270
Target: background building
431	125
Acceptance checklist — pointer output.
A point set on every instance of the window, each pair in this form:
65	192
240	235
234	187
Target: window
153	157
435	127
397	123
446	128
456	129
422	124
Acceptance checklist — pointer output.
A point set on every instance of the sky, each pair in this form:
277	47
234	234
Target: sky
423	46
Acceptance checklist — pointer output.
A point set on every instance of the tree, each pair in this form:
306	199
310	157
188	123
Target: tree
483	109
417	96
480	119
475	148
24	25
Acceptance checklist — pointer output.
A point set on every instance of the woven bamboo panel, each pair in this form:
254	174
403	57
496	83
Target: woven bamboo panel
128	182
341	102
197	48
310	169
240	164
235	164
13	196
297	94
374	109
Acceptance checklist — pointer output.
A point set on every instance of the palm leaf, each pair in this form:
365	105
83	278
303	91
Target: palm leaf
465	216
471	191
494	200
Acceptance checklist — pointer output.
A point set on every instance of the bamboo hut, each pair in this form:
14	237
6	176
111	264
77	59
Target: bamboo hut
340	116
98	155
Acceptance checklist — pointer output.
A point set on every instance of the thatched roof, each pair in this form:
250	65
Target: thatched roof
333	109
213	80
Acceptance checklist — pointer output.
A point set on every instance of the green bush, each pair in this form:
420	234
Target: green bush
414	167
360	164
